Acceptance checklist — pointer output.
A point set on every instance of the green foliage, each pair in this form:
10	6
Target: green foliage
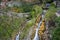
26	29
56	31
24	7
8	25
57	21
52	4
32	14
50	14
35	11
56	34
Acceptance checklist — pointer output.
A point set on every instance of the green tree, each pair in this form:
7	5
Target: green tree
56	34
56	31
36	10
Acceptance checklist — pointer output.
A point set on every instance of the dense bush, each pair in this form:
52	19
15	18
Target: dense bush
8	25
57	21
56	31
56	34
26	7
35	11
22	8
50	14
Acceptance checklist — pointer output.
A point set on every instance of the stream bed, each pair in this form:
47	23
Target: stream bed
36	34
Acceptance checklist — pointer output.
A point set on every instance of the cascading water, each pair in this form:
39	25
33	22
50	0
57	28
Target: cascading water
36	34
17	36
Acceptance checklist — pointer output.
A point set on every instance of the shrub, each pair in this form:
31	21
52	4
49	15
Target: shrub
8	25
35	11
56	31
56	34
50	14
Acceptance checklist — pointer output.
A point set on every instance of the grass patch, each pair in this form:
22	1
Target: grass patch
50	14
25	30
8	25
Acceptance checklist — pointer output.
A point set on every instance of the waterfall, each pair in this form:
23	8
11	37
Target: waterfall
17	36
36	34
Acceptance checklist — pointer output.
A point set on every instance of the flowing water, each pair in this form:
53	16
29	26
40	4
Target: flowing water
17	36
36	34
